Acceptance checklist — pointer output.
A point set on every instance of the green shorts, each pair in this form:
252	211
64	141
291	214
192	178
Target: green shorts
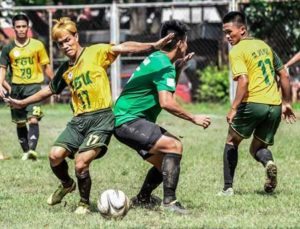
87	131
22	91
260	119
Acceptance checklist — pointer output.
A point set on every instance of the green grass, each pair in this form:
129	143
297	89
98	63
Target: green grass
25	186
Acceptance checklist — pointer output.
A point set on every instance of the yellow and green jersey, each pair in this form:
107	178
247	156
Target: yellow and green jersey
256	59
25	62
87	79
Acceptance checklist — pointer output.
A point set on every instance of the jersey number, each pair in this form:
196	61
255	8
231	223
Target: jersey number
85	99
26	73
262	64
93	139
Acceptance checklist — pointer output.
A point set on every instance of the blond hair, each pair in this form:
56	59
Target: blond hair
64	24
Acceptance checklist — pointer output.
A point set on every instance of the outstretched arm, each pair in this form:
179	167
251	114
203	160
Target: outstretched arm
37	97
293	60
137	47
168	102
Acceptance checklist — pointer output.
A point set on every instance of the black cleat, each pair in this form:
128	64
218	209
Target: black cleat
149	203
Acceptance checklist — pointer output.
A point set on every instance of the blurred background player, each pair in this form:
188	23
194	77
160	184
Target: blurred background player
295	81
27	60
90	130
149	90
257	106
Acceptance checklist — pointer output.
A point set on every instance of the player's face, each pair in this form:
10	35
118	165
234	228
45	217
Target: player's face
183	47
21	29
233	32
68	43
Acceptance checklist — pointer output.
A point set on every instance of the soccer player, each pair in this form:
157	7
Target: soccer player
149	90
258	103
90	130
27	60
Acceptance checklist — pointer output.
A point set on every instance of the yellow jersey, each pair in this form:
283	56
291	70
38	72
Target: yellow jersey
87	79
25	62
255	59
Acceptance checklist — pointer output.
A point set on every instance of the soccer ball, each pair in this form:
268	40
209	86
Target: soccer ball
113	204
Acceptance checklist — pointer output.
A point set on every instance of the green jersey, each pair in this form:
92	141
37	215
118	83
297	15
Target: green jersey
139	98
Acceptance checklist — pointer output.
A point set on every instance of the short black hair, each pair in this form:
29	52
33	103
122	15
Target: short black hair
235	17
20	17
173	26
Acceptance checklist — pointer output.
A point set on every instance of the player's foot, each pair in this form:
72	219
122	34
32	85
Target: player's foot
271	180
151	202
60	193
175	207
25	156
227	192
32	155
82	209
2	157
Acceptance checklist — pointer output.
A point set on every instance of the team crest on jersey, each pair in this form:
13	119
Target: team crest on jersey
17	53
171	82
70	75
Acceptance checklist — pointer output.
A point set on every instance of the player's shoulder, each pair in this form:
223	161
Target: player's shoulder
6	48
160	58
36	43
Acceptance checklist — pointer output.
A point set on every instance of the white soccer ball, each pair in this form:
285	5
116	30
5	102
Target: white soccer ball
113	204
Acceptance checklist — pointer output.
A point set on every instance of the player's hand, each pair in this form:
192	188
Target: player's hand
288	113
202	120
3	92
230	115
163	41
180	63
14	103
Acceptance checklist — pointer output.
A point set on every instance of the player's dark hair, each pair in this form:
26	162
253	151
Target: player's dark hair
173	26
235	17
20	17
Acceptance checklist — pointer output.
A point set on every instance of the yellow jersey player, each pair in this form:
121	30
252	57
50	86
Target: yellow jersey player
27	60
258	103
90	130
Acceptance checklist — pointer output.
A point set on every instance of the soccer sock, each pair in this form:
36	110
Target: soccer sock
170	172
84	185
22	133
33	135
263	155
152	181
61	172
230	160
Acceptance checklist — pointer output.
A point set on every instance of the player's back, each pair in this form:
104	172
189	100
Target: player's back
256	59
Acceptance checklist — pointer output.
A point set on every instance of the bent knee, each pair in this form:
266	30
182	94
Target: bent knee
174	146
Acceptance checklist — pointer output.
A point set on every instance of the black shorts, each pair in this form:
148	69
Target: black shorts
140	135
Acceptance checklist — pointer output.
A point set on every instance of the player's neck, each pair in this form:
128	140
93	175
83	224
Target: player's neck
22	41
78	54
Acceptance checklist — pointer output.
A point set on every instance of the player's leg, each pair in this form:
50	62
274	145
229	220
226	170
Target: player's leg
171	148
33	136
230	160
22	133
59	167
263	137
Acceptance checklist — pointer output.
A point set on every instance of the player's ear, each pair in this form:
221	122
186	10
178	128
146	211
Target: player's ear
243	30
76	36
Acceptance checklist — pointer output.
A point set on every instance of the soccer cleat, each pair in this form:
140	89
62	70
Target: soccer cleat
151	202
82	209
271	180
32	155
25	157
175	207
2	157
59	193
227	192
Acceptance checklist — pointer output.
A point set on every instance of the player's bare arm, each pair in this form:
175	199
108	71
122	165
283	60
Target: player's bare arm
37	97
241	91
48	71
3	91
168	102
136	47
293	60
180	63
287	111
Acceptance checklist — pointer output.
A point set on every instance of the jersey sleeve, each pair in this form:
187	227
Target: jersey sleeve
105	55
43	56
237	64
4	59
165	79
58	84
278	65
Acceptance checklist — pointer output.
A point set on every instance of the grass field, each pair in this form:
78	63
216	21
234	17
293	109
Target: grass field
25	186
